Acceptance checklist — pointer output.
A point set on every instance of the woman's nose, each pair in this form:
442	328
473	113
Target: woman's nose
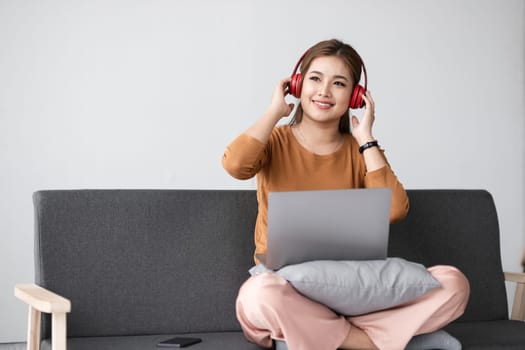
324	90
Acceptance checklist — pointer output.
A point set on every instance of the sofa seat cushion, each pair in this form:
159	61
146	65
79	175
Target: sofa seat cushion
494	335
222	340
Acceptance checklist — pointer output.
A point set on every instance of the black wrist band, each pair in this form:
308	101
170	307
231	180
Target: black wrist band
368	145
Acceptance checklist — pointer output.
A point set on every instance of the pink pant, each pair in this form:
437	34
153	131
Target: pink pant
269	307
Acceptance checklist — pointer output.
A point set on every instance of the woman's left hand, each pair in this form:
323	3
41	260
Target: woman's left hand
362	130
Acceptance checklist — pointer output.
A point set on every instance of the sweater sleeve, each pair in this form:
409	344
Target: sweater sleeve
385	177
244	156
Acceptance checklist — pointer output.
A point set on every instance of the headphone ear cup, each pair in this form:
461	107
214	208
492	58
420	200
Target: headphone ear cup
356	99
295	85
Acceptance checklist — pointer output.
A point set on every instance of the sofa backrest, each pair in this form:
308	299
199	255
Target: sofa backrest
459	228
172	261
145	261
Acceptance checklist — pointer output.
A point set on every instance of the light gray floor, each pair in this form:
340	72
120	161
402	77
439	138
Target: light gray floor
12	346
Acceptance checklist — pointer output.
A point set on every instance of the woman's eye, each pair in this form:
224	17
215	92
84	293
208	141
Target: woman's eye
314	78
340	83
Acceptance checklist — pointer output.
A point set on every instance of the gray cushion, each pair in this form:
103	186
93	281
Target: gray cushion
360	287
489	335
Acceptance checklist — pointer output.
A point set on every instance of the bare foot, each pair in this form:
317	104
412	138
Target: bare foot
357	339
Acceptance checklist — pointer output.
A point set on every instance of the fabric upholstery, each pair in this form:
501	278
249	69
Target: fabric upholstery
224	340
459	228
493	335
145	262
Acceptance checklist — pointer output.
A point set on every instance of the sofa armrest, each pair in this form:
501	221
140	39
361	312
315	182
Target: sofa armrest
42	300
518	305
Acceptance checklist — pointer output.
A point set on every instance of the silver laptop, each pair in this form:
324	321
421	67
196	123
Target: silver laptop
348	224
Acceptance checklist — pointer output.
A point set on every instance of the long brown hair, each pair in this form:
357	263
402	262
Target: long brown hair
349	56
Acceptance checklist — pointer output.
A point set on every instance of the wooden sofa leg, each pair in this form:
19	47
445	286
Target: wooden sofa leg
58	331
518	308
33	329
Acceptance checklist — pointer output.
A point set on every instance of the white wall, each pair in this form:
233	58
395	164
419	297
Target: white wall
146	94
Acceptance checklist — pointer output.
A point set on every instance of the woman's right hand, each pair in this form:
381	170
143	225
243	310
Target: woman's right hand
279	107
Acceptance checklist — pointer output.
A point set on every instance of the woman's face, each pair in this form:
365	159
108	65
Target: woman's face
326	89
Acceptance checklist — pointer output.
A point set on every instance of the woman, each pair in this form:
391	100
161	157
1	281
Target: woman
317	151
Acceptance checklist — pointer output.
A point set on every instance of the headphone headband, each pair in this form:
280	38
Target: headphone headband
299	62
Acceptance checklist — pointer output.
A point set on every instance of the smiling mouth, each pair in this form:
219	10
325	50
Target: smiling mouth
323	104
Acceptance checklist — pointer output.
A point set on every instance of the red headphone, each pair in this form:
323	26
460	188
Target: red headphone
356	98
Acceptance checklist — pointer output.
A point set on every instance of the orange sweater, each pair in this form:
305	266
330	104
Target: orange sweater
284	165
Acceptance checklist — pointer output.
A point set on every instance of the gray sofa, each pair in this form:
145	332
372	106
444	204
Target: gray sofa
128	268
